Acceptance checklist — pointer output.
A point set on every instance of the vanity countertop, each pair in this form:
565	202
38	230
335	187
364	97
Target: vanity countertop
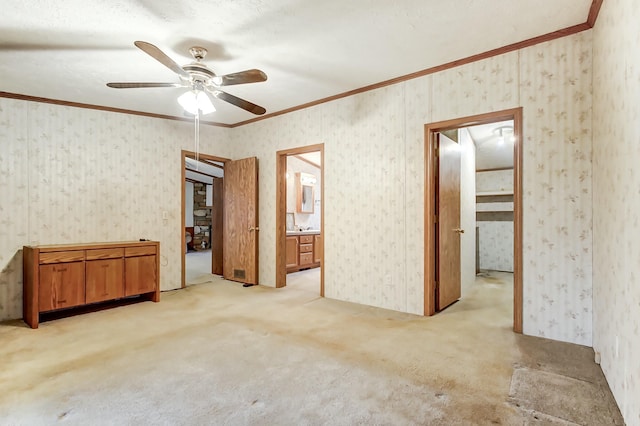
309	232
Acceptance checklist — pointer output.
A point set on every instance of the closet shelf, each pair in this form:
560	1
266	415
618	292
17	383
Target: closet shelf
493	193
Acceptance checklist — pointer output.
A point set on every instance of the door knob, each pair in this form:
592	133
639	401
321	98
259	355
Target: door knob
257	228
458	230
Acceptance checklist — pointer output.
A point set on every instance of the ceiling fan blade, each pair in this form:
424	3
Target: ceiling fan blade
159	56
240	103
242	77
141	85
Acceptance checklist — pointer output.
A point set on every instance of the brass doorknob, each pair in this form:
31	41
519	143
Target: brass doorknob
458	230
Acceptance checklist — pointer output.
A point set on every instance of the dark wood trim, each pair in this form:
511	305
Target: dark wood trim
474	58
497	169
494	216
429	221
205	157
29	98
307	161
281	210
190	154
591	20
593	13
518	282
429	199
281	223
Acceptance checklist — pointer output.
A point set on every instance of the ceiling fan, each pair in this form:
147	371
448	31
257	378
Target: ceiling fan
200	79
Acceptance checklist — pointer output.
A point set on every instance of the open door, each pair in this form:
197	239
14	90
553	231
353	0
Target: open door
448	287
240	234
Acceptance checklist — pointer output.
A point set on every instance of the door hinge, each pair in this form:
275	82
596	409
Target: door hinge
435	151
435	218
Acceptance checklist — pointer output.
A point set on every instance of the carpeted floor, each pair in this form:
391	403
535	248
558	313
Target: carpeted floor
218	353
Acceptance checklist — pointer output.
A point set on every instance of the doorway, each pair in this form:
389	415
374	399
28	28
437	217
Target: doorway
300	230
234	234
202	209
443	228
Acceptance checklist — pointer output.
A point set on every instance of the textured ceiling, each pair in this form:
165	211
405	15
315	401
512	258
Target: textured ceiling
68	50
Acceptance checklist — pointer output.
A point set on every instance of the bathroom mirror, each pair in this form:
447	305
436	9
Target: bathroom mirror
305	192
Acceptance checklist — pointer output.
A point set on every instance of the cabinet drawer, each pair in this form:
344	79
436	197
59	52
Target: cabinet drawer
306	239
306	248
306	258
110	253
139	251
61	256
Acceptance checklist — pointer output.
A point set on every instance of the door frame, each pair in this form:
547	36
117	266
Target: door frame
281	211
183	155
430	131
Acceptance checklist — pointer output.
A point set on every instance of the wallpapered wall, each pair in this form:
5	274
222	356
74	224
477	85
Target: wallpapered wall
305	220
616	282
497	180
374	165
78	167
496	238
72	175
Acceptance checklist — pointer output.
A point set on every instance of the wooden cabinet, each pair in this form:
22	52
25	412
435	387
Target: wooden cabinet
301	252
292	252
317	249
66	276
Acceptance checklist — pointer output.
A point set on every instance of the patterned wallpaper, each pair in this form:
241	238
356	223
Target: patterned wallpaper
616	282
496	238
497	180
72	175
79	165
496	246
375	257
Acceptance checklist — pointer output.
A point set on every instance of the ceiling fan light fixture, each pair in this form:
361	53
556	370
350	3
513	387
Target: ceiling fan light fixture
196	100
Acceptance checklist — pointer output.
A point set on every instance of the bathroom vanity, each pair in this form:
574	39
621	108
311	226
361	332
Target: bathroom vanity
304	250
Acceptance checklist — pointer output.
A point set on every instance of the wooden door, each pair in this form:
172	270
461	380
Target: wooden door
448	288
140	275
240	234
104	280
217	213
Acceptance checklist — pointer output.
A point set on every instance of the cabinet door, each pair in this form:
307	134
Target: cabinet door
61	286
317	249
139	275
292	252
104	280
